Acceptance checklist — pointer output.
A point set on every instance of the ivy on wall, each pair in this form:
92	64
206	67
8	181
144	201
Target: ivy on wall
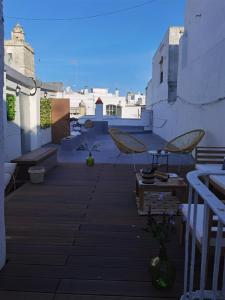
11	107
45	113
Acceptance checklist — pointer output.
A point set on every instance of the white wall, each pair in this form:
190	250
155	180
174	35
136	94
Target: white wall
24	133
201	76
132	112
12	131
2	217
166	60
145	120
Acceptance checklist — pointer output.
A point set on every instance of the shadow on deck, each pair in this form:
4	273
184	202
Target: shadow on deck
78	236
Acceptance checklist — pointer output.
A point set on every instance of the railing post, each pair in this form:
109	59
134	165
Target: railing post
186	264
204	264
215	207
193	245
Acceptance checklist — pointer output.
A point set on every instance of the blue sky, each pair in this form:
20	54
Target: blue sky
112	51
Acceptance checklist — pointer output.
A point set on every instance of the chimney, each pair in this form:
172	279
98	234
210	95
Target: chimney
99	110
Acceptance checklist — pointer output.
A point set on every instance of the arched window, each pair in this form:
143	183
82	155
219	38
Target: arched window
111	110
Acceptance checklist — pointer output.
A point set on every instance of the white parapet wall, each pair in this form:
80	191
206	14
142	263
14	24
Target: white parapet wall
145	121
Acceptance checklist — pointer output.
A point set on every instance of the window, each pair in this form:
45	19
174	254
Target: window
161	69
111	110
9	58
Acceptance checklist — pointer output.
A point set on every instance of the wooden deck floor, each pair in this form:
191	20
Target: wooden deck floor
78	236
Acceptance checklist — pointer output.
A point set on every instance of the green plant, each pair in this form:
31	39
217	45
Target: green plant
11	107
45	113
163	270
161	228
88	148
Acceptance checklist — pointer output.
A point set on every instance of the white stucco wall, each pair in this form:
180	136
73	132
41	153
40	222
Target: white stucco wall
132	112
201	76
2	217
12	132
167	53
24	133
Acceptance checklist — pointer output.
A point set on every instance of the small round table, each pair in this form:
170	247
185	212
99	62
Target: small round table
156	155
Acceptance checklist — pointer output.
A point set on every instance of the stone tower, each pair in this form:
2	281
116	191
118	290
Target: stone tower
18	53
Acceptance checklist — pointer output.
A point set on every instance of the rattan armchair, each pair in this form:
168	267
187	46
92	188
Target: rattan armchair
126	143
186	142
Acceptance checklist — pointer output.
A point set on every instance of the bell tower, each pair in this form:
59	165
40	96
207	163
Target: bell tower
19	55
18	33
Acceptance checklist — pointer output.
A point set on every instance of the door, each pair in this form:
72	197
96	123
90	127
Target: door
60	119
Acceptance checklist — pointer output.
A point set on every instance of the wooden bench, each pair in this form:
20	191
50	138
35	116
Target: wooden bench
212	159
209	155
45	156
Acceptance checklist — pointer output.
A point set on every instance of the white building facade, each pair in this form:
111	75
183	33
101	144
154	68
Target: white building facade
200	99
83	103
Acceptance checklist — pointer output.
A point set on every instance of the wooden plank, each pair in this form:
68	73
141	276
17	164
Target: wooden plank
40	259
11	295
27	284
116	288
78	272
99	297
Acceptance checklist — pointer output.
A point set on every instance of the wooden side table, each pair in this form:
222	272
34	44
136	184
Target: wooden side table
174	184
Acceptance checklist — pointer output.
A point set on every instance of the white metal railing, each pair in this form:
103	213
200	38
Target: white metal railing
212	207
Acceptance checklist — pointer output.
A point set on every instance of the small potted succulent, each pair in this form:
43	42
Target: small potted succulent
163	270
90	161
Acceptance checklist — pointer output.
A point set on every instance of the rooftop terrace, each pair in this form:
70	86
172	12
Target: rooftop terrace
109	152
78	236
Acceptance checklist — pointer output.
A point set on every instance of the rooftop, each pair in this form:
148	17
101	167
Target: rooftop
78	236
109	152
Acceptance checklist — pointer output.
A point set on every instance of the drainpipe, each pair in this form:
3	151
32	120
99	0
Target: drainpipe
2	217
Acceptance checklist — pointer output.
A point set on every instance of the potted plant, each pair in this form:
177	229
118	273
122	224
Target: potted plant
162	268
90	161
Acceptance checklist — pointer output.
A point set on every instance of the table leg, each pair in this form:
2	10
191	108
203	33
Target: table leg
137	189
141	199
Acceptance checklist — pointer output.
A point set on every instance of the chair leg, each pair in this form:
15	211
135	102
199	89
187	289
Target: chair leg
135	170
181	232
117	159
180	163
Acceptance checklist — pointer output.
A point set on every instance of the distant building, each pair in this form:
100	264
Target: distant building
83	102
19	55
163	85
